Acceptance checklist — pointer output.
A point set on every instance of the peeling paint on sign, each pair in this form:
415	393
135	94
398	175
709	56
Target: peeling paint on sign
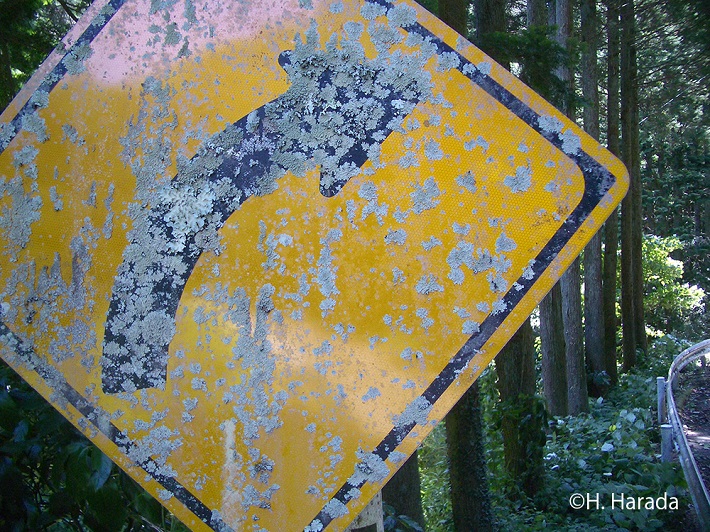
278	244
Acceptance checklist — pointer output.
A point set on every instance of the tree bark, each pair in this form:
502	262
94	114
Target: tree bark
611	228
593	288
7	84
577	397
403	491
552	339
570	281
633	321
470	497
536	13
554	361
455	14
515	364
523	415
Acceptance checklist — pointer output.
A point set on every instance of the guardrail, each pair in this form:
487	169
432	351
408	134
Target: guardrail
674	431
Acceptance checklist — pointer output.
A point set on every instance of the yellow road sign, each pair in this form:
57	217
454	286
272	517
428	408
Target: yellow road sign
257	251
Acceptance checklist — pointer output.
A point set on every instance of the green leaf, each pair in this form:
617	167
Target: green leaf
101	469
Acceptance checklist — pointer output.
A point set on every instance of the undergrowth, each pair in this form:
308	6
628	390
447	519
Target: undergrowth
613	449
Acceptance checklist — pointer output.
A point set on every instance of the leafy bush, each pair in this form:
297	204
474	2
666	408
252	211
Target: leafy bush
669	302
53	478
613	449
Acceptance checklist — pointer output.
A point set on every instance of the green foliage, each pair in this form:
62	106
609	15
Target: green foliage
399	523
29	30
525	417
53	478
612	450
434	472
537	55
669	302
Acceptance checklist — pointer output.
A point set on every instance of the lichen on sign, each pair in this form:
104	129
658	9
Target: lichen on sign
255	269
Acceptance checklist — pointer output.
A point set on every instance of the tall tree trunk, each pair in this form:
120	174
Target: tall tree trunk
7	84
577	397
537	13
570	281
403	491
455	14
554	359
552	338
633	321
470	496
523	415
611	228
593	300
515	365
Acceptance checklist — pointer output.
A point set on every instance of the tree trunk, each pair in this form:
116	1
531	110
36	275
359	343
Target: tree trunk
593	299
554	361
570	281
7	84
552	339
403	491
577	397
523	415
633	324
455	14
515	365
490	18
536	13
611	229
563	20
470	497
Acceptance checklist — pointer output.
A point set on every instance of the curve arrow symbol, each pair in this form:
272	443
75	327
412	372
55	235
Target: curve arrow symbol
339	109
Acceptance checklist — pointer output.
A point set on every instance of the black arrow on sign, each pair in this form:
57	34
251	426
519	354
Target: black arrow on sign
337	113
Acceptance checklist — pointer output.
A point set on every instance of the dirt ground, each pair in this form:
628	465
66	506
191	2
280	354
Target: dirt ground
693	400
695	415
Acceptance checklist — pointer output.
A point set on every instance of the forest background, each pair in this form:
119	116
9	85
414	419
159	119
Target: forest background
567	406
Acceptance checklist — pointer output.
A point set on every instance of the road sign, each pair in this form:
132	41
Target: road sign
257	251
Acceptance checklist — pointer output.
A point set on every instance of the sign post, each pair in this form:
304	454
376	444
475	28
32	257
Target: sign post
255	252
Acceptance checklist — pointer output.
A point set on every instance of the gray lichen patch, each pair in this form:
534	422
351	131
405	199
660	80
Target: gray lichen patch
521	181
505	244
467	181
571	144
33	123
396	237
424	196
423	314
23	208
428	245
370	468
433	151
368	192
326	272
56	199
470	327
74	60
428	284
416	412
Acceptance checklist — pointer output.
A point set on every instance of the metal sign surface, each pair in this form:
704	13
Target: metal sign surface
255	251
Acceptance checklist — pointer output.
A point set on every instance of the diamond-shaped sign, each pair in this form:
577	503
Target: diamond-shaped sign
255	251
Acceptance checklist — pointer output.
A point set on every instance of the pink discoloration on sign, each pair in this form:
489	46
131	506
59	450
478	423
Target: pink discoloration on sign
139	39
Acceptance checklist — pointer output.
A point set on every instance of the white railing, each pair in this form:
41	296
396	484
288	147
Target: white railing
674	431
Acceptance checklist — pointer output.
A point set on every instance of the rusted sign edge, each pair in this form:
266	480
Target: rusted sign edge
597	180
